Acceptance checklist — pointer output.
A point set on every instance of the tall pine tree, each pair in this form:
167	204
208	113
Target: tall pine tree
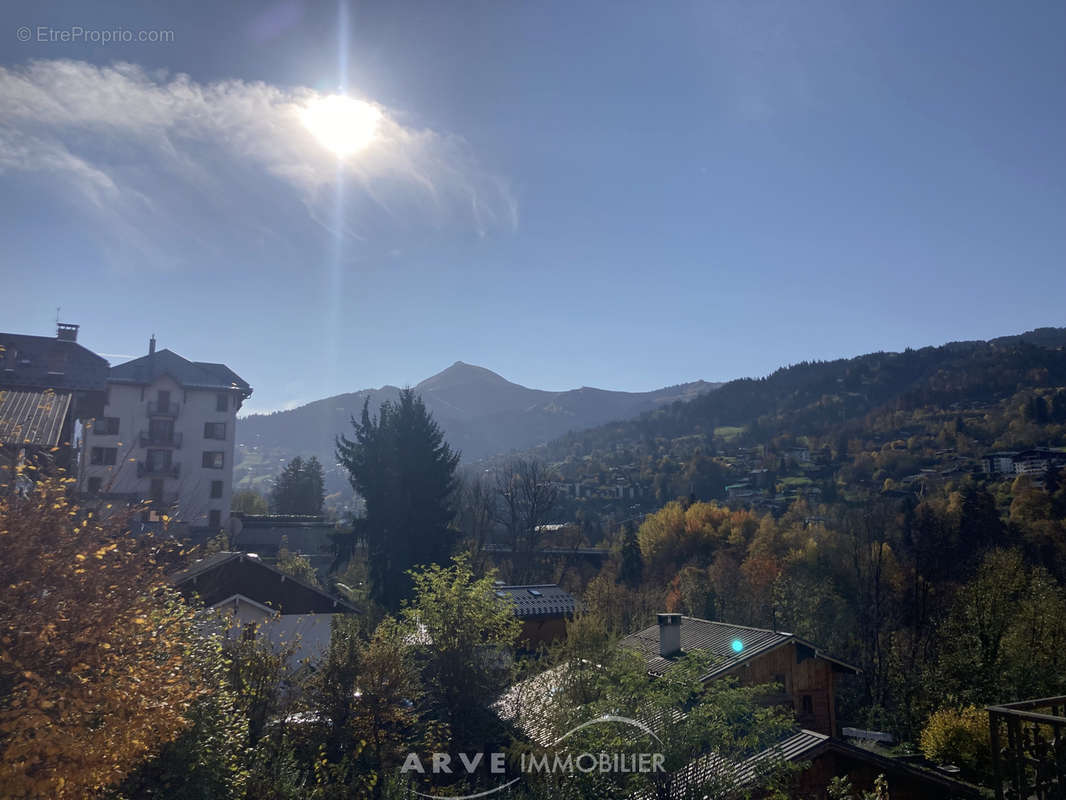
400	464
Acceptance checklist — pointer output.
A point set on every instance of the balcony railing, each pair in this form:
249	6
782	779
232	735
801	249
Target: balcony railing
163	501
148	439
1029	748
144	469
157	409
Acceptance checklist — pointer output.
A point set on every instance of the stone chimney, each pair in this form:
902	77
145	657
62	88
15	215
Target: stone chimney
669	634
66	332
151	345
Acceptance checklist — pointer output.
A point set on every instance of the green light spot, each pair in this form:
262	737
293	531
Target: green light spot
737	645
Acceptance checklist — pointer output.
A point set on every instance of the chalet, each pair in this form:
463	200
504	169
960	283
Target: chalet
283	609
542	609
756	656
47	385
808	676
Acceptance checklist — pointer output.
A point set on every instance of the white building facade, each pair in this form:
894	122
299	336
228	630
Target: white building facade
166	438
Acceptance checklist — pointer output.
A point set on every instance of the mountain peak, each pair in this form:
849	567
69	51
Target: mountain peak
461	373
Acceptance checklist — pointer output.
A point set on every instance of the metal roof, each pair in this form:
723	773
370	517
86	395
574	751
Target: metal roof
714	770
718	639
539	600
32	417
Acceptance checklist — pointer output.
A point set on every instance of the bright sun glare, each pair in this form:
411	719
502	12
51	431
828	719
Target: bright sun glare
341	124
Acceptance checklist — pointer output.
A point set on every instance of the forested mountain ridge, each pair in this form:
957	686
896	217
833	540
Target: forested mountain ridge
481	413
812	398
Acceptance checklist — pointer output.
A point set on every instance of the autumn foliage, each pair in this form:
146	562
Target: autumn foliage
93	647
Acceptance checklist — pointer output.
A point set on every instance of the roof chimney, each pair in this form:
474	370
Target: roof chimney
669	634
66	332
151	345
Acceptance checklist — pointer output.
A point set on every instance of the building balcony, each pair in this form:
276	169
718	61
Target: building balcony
1029	748
157	409
163	501
147	439
146	470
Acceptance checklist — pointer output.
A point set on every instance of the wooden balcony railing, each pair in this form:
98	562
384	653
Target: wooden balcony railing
1029	749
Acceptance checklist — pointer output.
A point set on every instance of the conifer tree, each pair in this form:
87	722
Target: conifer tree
400	464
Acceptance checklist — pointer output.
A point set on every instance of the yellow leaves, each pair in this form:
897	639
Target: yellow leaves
80	557
103	551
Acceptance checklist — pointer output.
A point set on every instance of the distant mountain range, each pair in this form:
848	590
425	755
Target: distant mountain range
482	414
820	398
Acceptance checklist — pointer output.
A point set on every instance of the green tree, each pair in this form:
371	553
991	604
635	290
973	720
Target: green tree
300	488
296	565
593	679
210	758
465	634
1005	636
249	501
631	567
405	471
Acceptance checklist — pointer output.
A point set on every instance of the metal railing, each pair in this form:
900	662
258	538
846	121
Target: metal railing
156	440
1029	748
144	469
157	409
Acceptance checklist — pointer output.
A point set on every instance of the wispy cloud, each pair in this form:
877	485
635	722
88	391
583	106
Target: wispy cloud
145	156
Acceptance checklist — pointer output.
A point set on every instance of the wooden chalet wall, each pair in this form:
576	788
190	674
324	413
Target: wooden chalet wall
810	678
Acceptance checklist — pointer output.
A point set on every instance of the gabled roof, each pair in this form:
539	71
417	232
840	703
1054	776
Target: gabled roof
717	638
220	576
32	417
539	600
189	374
45	362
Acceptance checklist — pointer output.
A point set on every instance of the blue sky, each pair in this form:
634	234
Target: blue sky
624	195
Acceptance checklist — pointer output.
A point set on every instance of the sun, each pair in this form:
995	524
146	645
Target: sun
341	124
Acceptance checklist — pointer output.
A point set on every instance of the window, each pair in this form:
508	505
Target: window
94	485
222	402
158	460
163	398
161	430
103	456
808	704
216	490
213	459
157	490
106	426
214	430
214	518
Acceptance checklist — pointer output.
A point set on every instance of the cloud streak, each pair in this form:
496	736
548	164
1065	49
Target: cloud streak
137	152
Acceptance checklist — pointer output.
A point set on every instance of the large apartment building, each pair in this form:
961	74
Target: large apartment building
166	436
